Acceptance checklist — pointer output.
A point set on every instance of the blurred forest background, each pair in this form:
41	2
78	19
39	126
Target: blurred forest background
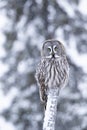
24	25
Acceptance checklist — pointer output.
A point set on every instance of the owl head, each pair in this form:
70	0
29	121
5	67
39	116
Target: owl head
53	49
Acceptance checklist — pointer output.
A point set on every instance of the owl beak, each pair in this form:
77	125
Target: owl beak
53	55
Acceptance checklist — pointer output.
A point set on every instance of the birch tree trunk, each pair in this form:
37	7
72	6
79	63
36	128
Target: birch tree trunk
51	110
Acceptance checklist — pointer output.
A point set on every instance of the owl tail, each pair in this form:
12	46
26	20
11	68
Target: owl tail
45	101
43	97
45	104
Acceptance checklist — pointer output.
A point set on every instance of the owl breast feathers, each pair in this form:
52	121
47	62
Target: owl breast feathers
53	69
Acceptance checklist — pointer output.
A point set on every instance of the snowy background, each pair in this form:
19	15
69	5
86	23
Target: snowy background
24	25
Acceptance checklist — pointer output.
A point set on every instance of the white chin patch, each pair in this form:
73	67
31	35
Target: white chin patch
49	56
56	56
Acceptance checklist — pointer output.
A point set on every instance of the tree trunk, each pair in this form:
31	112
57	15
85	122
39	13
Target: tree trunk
51	110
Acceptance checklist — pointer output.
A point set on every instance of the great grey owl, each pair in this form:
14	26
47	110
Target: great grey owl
53	69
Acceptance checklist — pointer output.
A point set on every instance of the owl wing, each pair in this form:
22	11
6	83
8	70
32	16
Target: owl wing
40	77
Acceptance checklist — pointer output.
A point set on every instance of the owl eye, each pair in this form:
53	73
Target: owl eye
55	48
49	49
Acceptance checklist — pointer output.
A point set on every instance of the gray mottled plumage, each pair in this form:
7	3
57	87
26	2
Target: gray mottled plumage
53	69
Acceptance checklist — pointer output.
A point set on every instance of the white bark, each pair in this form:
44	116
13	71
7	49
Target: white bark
51	110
